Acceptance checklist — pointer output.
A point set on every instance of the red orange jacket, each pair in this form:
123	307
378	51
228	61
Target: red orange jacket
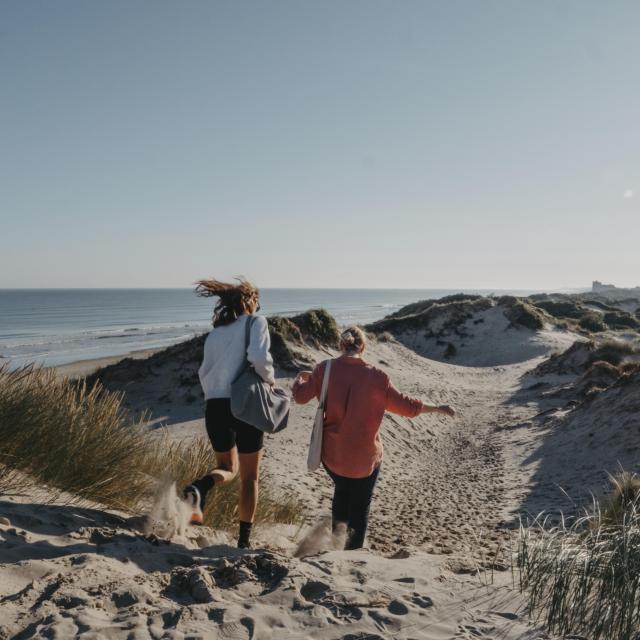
357	397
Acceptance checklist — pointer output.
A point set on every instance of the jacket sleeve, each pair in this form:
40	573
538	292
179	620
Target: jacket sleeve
258	353
303	392
402	404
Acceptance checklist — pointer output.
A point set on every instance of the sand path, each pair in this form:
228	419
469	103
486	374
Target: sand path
447	486
452	486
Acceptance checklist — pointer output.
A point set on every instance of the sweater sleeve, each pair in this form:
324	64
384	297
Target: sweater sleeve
402	404
205	365
258	353
303	392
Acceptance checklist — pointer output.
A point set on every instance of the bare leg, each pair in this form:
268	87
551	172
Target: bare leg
227	466
249	476
225	471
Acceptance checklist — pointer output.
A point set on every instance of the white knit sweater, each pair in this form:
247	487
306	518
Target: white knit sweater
224	356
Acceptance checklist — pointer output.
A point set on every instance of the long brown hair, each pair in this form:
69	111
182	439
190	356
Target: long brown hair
234	301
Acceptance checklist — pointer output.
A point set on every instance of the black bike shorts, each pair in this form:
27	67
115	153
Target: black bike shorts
226	431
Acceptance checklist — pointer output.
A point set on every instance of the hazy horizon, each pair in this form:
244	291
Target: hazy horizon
377	145
552	289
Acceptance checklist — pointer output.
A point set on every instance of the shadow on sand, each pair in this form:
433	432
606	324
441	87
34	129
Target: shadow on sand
76	531
575	443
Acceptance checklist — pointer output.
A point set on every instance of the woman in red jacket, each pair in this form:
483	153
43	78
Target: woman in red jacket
357	397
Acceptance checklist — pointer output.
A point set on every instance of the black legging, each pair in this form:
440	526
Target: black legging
351	501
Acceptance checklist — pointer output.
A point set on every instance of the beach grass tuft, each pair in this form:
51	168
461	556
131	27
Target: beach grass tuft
584	577
80	443
615	352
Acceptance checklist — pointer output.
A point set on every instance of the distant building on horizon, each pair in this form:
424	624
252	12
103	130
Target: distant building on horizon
596	286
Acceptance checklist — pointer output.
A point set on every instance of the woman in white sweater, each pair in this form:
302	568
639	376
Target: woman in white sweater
238	445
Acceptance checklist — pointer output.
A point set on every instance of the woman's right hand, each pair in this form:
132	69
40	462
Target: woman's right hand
302	377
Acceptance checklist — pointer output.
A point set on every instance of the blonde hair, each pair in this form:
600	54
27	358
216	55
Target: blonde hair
234	299
353	340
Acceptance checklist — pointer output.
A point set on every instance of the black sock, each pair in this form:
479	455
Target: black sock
245	534
204	485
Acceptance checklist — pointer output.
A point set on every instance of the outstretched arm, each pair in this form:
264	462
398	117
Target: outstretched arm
308	385
445	409
410	407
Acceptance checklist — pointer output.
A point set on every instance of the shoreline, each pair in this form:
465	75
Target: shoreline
117	322
83	368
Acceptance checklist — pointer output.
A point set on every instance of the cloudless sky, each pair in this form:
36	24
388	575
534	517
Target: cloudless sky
353	143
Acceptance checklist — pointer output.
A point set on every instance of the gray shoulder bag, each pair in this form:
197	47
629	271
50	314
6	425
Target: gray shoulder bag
254	401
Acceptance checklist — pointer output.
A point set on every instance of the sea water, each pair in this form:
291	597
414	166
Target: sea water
58	326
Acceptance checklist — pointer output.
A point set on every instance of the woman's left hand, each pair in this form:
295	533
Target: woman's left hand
447	410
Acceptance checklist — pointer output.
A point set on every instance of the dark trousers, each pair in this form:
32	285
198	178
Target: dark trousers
351	502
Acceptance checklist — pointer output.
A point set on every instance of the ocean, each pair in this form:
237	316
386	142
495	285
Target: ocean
58	326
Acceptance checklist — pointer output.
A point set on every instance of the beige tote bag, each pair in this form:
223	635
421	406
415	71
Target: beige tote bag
315	446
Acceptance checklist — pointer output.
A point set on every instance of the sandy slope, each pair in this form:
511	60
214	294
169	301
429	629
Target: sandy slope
445	505
444	485
449	497
526	438
71	572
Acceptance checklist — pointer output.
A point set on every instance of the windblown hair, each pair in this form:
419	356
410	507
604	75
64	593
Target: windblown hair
234	301
353	340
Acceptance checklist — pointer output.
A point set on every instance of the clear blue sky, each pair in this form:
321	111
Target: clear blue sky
354	143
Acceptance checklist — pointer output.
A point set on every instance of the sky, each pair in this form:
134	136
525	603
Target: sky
320	144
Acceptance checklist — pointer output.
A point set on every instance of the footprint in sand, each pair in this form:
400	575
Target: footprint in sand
424	602
397	608
242	630
320	593
314	590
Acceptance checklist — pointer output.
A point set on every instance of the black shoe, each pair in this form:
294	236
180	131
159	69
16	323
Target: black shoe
192	494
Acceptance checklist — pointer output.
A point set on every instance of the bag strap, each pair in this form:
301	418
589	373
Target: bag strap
325	383
247	336
247	339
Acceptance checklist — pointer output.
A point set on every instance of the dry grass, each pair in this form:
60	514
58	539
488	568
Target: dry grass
615	352
584	578
82	443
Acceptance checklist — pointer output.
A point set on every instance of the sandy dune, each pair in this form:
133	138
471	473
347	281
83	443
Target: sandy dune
443	517
72	572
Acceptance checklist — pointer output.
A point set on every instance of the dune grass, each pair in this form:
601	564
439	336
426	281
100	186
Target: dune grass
522	313
615	352
584	577
593	322
70	440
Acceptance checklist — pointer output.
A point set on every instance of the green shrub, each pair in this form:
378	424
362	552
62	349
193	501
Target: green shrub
613	351
621	320
562	309
522	313
316	328
592	322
